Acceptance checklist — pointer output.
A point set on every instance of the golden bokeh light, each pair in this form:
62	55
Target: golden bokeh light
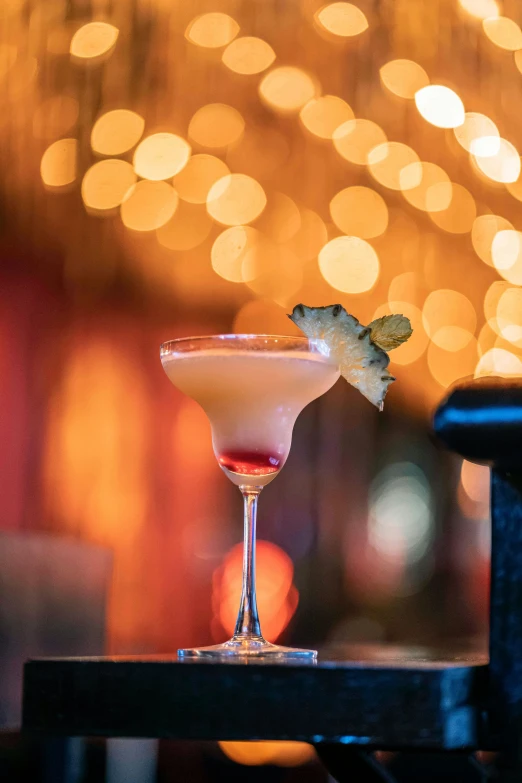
187	228
503	32
447	367
355	139
515	189
212	31
483	232
426	186
413	349
491	300
475	481
58	167
216	125
386	162
281	218
478	135
148	205
509	315
403	77
105	185
273	272
480	9
503	166
248	55
310	238
230	250
116	132
281	754
459	216
506	252
360	212
195	180
236	199
94	41
449	319
261	316
500	362
161	156
55	116
342	19
440	106
322	116
406	287
286	89
349	264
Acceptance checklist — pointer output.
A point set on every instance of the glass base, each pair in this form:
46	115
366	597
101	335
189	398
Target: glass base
238	649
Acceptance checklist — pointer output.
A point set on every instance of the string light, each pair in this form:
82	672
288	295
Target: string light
403	77
148	205
359	211
236	199
161	156
286	89
212	31
355	139
349	264
248	55
342	19
440	106
322	116
58	167
116	132
94	41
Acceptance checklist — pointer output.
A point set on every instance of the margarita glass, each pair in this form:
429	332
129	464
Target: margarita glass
252	388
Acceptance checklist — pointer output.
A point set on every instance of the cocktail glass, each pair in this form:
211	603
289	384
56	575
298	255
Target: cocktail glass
252	388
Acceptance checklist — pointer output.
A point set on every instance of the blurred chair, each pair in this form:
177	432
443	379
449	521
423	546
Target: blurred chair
53	594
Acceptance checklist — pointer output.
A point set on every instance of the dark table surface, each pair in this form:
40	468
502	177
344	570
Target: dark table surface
381	696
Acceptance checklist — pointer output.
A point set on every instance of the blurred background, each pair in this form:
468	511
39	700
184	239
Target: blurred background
170	169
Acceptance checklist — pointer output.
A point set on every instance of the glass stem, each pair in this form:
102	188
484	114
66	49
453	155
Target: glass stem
247	625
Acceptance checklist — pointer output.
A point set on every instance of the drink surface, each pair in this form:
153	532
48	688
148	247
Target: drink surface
252	399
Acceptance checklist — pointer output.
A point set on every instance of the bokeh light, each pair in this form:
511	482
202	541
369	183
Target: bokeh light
248	55
212	30
116	132
483	232
475	481
236	199
94	41
55	116
195	180
459	216
310	237
342	19
449	319
412	349
440	106
273	272
492	298
188	228
386	162
504	166
230	250
281	754
403	77
148	205
322	116
407	287
481	9
355	139
261	316
498	361
216	125
276	596
447	367
349	264
400	525
286	89
503	32
509	315
105	185
478	135
426	186
281	218
506	252
161	156
58	167
359	211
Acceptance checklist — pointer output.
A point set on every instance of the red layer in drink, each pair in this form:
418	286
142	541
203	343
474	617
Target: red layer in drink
250	463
